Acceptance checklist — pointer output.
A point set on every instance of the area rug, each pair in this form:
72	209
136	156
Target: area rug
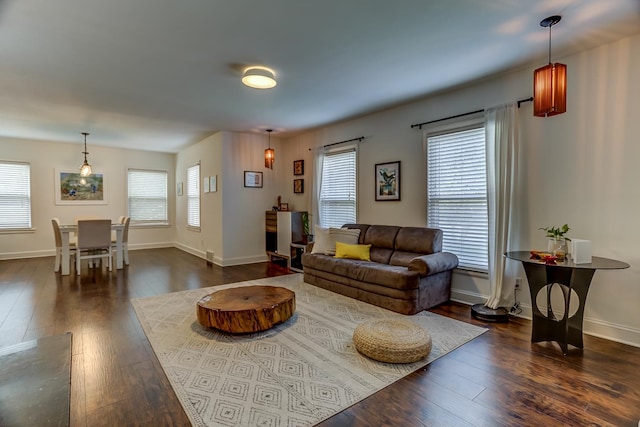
298	373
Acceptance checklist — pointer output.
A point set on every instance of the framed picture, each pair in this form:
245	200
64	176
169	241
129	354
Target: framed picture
298	167
387	181
253	179
213	183
284	206
298	186
179	189
73	189
205	184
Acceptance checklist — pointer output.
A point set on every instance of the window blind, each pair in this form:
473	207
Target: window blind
338	191
457	194
15	195
193	196
147	196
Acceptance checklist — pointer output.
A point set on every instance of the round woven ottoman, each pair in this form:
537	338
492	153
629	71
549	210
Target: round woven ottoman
392	340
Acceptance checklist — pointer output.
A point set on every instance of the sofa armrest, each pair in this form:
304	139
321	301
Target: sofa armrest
438	262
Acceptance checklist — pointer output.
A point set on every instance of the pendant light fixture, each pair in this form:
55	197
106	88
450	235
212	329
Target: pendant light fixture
269	153
259	78
85	169
550	82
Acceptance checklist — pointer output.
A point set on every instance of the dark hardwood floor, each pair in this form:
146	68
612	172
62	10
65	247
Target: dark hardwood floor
500	378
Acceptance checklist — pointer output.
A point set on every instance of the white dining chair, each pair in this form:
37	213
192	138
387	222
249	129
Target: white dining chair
85	218
58	238
94	241
125	239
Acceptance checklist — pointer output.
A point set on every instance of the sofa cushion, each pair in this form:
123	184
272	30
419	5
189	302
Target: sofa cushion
402	258
420	240
361	227
344	250
381	238
326	238
321	243
342	235
393	277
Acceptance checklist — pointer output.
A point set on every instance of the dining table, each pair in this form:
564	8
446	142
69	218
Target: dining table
67	229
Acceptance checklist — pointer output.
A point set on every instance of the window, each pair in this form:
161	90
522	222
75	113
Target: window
147	196
15	196
193	196
338	190
457	194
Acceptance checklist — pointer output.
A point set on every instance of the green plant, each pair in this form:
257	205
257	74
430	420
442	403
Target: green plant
305	223
557	232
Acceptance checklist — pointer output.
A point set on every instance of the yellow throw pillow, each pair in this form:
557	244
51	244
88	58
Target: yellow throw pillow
345	250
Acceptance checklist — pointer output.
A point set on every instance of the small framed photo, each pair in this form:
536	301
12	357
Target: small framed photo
298	186
298	167
284	207
205	184
213	184
179	189
253	179
387	181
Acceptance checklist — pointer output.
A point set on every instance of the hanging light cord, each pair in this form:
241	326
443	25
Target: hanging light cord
550	43
85	146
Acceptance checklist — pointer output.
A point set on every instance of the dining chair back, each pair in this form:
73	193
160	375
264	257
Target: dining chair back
94	241
125	239
55	222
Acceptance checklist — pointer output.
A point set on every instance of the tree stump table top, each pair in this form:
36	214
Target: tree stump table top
246	308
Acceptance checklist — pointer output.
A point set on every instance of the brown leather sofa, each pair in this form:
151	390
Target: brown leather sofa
408	271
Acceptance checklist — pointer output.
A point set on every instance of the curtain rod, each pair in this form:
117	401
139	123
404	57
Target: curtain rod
419	125
342	142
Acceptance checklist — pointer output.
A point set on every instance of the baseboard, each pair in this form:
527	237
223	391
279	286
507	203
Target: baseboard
156	245
226	262
29	254
192	251
244	260
52	252
595	327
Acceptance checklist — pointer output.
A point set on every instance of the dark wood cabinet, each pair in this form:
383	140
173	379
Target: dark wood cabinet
282	229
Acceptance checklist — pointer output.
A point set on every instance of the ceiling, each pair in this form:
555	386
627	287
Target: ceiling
162	74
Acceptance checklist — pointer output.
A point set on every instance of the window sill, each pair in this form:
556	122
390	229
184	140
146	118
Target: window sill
192	228
473	273
17	230
150	225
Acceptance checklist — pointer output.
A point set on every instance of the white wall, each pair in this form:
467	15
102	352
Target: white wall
233	218
580	168
45	157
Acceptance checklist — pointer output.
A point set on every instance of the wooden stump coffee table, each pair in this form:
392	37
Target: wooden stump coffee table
246	309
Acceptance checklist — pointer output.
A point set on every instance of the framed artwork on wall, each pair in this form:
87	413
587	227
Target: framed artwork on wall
387	181
179	187
298	186
298	167
253	179
73	189
213	183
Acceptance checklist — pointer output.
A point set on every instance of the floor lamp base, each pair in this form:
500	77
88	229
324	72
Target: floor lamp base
486	314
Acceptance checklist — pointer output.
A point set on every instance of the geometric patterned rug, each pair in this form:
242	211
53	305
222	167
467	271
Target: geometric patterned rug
298	373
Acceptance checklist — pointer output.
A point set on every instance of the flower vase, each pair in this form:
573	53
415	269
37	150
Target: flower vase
558	247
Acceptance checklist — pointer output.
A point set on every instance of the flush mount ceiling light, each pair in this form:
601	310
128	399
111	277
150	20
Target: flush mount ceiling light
269	153
259	78
85	169
550	82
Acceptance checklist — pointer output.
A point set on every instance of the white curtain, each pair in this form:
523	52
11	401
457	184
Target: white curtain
318	162
501	124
